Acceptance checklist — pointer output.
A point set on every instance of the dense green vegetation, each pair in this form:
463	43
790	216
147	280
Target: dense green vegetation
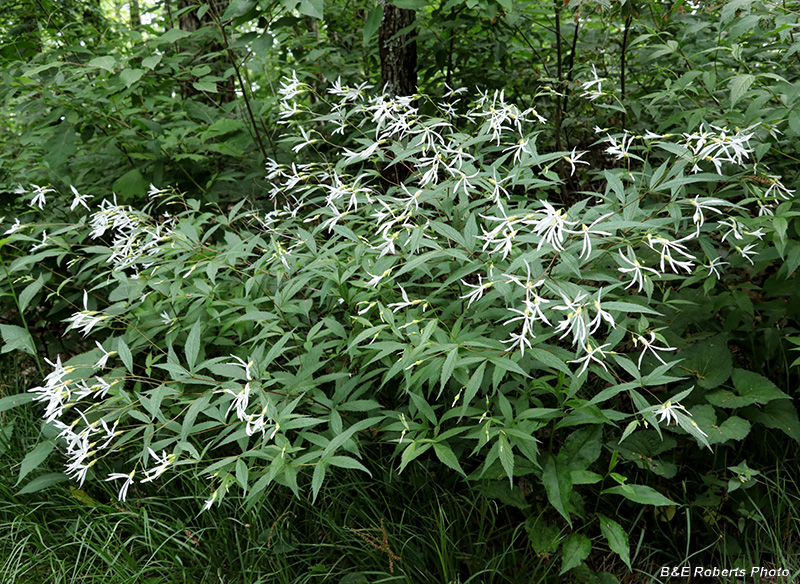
464	291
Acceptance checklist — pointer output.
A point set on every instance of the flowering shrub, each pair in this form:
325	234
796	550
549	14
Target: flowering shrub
464	313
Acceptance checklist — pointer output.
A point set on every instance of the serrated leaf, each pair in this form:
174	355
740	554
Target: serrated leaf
558	485
616	537
125	354
506	454
582	447
445	454
575	549
709	361
739	86
192	347
33	459
640	494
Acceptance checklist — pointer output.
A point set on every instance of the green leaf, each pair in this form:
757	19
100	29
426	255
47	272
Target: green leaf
33	459
172	35
640	494
582	447
317	478
739	86
616	537
12	401
197	406
29	292
42	482
222	127
125	354
312	8
373	23
575	549
206	86
558	485
777	414
506	453
710	361
151	62
445	454
192	347
449	366
410	4
131	76
131	185
15	338
108	63
734	428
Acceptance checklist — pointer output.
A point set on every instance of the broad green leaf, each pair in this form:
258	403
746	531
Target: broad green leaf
616	537
558	485
172	35
448	366
107	62
575	549
733	428
206	86
640	494
709	362
151	62
15	338
582	447
33	459
312	8
130	76
197	406
777	414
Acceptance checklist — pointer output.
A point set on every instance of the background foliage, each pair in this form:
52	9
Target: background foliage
542	328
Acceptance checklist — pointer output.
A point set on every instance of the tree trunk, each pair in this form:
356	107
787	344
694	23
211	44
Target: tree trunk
398	52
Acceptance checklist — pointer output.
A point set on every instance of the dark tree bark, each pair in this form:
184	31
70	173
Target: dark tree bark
398	52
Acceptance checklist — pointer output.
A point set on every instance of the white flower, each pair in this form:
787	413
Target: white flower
552	227
39	199
165	318
123	491
636	268
668	412
101	362
79	199
162	461
668	247
593	88
591	355
573	159
14	228
713	266
647	345
478	290
588	231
